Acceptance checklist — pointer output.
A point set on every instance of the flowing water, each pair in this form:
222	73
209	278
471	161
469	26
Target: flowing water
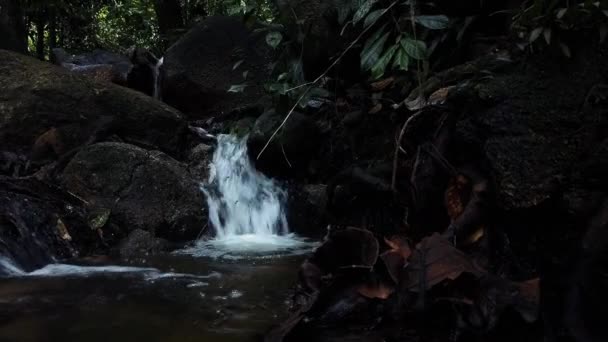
229	288
157	78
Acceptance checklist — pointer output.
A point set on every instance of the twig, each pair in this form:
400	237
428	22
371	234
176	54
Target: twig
285	155
398	146
310	84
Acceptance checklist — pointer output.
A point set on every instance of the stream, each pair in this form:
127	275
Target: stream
231	287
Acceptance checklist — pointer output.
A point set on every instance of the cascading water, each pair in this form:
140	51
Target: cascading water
157	78
246	209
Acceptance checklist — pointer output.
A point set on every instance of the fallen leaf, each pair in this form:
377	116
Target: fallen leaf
380	290
348	248
382	84
400	245
457	195
63	230
376	109
434	260
439	96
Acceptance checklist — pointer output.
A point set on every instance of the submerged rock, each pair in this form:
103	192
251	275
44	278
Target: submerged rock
46	111
201	67
145	190
141	243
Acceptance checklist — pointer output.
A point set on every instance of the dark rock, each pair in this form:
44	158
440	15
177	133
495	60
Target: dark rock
199	69
307	209
141	243
40	223
198	161
291	149
57	111
137	71
13	35
536	138
145	190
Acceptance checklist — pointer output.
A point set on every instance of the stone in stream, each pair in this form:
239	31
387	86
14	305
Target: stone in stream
145	190
46	111
201	67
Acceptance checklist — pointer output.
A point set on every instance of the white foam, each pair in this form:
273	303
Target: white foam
157	79
242	200
67	270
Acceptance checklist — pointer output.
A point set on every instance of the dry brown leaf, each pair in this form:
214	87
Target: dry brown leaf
394	263
382	84
439	260
439	96
399	244
376	109
380	290
528	300
457	195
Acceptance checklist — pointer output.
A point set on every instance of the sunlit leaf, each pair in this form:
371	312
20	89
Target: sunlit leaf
274	38
414	48
373	17
433	22
380	66
99	218
363	10
237	88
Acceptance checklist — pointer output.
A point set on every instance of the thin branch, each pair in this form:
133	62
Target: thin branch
310	84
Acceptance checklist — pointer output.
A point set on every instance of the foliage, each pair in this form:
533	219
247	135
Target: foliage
395	45
126	23
550	20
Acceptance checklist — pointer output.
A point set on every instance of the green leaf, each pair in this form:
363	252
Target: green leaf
380	67
603	32
547	34
237	88
283	77
373	17
433	22
370	55
98	218
343	12
560	14
414	48
363	10
374	37
535	34
245	74
402	60
565	50
274	38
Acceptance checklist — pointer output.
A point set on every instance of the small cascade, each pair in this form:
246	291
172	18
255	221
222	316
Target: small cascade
241	200
157	78
247	210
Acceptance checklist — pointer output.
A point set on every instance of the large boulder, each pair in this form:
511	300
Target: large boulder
142	189
200	68
55	111
290	150
137	71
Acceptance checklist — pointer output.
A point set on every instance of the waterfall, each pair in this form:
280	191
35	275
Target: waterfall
157	78
247	210
242	200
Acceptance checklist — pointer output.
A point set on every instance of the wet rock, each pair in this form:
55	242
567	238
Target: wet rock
58	111
199	69
199	159
141	243
99	64
145	190
291	149
40	223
